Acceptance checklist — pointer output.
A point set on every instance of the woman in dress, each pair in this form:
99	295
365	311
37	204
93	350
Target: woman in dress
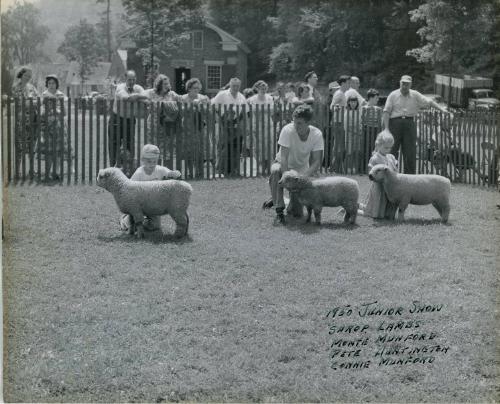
193	124
25	94
53	142
164	117
262	122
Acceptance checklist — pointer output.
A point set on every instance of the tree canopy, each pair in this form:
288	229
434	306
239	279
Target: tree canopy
22	33
375	40
458	35
83	45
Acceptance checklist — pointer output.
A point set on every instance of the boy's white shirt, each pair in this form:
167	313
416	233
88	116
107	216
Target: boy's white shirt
158	173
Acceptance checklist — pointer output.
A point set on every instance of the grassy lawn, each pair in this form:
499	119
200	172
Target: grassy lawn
237	312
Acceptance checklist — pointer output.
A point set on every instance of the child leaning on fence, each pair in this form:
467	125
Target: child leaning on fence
377	205
149	171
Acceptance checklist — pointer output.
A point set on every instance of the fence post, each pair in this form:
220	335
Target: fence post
69	157
84	138
9	140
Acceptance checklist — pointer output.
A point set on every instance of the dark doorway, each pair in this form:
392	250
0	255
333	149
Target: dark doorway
181	76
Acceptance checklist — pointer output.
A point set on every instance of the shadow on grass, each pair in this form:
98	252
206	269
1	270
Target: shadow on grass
299	224
412	221
154	237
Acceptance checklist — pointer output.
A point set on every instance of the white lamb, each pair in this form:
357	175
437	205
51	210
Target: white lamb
148	198
417	189
328	191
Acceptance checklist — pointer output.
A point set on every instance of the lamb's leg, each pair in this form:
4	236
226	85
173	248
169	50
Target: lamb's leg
131	227
317	215
401	212
181	220
445	213
138	218
443	210
350	215
309	213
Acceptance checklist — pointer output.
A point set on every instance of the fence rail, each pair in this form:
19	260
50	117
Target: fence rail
68	141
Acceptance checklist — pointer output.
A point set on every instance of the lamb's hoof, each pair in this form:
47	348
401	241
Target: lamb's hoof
140	233
179	235
280	220
268	204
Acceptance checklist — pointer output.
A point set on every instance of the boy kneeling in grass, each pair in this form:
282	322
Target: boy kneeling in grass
149	171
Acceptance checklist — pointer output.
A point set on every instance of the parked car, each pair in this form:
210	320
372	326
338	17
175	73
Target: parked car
96	100
483	98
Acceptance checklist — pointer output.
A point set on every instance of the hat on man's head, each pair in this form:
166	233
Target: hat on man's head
406	79
150	151
333	84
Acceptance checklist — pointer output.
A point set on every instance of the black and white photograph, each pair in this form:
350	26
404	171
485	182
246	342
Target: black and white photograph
250	201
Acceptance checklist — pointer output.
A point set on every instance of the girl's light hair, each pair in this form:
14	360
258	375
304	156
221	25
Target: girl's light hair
383	138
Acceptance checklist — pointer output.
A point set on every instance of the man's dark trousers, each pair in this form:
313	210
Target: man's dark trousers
120	133
404	131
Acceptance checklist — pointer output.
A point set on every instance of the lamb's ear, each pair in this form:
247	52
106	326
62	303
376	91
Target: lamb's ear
386	168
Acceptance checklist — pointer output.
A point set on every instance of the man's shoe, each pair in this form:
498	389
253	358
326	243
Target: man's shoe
268	204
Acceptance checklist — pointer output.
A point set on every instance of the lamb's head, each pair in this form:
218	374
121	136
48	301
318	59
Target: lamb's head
293	181
109	178
379	173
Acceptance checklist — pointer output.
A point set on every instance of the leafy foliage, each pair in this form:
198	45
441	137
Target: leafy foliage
251	22
83	45
336	37
22	34
104	26
457	35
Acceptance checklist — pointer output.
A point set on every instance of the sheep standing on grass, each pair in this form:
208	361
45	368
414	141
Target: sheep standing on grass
417	189
329	191
148	198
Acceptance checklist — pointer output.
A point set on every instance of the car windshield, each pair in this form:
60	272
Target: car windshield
484	94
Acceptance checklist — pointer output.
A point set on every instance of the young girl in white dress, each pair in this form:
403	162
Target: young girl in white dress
376	202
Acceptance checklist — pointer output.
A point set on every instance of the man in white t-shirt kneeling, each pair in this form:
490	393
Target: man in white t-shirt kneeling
301	149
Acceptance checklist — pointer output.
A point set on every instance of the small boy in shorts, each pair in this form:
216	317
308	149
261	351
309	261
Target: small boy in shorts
149	171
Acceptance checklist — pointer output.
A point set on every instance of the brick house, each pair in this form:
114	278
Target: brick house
210	54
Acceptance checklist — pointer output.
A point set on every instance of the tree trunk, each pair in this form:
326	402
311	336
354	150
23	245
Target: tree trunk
108	30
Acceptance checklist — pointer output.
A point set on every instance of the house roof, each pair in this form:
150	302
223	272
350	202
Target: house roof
226	37
122	53
227	40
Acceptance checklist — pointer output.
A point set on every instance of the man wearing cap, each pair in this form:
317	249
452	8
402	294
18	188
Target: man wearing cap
121	121
401	108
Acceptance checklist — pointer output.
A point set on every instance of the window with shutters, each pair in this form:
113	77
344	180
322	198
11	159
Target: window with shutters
197	39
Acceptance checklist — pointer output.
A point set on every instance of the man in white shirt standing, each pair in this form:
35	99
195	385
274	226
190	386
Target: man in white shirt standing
400	111
354	91
301	149
337	107
121	122
231	102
